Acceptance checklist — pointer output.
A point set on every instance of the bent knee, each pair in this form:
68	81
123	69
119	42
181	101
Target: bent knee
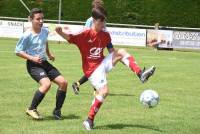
104	93
121	51
45	86
63	84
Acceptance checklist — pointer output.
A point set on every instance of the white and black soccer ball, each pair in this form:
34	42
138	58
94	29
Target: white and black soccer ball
149	98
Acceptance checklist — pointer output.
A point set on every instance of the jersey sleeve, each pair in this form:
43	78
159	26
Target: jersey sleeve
21	44
76	38
110	45
109	39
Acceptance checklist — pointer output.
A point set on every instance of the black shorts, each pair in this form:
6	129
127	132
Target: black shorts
43	70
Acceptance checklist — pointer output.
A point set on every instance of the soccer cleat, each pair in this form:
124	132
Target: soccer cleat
57	114
88	124
75	87
34	114
146	73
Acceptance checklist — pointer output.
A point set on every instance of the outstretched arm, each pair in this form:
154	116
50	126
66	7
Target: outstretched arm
61	33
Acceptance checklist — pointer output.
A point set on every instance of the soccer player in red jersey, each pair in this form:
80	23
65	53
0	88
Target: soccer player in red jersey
99	5
91	43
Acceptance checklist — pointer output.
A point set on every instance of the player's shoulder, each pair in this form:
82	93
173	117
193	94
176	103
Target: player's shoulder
105	32
83	31
27	33
45	30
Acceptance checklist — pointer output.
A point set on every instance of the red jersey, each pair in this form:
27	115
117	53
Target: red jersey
91	45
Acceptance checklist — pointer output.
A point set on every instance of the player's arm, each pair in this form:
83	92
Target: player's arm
49	54
21	48
110	48
61	33
29	57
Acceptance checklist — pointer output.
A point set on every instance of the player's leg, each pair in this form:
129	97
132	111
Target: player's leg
127	59
60	95
99	82
55	76
76	85
40	76
45	85
96	104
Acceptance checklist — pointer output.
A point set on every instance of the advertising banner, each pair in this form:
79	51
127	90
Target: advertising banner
120	36
53	36
13	29
160	38
128	36
187	40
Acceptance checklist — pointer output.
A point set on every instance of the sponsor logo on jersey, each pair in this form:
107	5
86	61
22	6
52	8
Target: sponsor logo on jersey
95	52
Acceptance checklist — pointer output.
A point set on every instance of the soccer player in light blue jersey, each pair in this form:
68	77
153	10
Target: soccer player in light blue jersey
33	46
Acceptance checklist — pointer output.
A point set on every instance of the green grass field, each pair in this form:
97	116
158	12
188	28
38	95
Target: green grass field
177	80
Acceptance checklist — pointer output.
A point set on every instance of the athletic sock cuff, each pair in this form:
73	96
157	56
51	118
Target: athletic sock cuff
125	59
61	91
100	98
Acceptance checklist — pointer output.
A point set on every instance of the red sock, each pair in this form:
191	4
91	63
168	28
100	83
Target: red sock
133	65
95	108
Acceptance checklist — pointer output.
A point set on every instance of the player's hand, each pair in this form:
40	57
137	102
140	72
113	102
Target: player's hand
58	30
36	59
51	57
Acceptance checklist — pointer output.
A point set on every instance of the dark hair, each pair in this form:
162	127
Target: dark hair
99	14
35	11
97	3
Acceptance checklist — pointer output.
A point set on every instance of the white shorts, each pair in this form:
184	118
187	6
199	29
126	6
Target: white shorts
98	77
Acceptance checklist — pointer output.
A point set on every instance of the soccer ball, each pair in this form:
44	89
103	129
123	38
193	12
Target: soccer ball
149	98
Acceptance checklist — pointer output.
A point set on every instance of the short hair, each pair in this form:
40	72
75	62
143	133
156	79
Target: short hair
99	14
35	11
97	3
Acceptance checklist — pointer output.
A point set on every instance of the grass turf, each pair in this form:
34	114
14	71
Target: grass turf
176	80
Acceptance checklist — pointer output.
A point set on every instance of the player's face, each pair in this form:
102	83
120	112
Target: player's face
38	20
99	24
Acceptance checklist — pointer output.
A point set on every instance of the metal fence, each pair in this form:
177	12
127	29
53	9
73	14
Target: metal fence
108	24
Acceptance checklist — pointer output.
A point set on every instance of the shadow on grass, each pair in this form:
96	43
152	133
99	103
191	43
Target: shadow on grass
68	117
122	126
113	94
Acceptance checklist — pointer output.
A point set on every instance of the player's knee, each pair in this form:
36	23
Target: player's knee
45	86
121	52
105	93
63	84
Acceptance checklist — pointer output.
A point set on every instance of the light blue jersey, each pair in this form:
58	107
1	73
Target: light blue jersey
89	22
33	44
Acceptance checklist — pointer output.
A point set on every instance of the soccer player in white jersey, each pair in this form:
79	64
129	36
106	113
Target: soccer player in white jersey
33	46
